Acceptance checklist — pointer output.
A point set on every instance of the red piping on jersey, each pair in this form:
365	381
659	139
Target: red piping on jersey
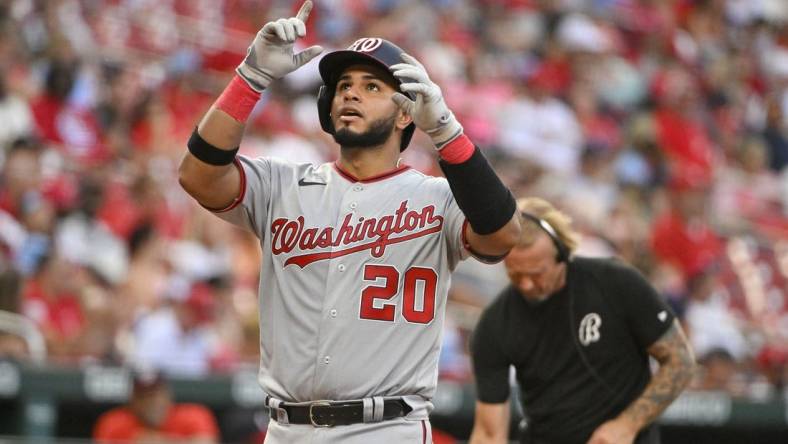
377	178
423	432
306	259
464	238
241	193
481	257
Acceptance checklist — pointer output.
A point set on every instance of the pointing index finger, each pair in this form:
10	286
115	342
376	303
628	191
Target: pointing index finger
303	13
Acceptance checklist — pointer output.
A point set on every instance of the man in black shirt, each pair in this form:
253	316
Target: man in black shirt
579	332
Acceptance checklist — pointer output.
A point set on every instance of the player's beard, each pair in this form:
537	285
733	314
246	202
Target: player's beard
379	131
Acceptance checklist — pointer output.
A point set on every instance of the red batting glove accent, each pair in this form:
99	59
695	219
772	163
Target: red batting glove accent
238	99
458	150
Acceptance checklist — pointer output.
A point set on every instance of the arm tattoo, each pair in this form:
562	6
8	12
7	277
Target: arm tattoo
676	366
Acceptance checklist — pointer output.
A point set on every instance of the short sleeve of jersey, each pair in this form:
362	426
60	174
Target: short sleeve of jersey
646	313
454	221
251	210
455	224
490	364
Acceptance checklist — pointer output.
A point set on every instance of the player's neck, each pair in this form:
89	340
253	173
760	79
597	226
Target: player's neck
364	163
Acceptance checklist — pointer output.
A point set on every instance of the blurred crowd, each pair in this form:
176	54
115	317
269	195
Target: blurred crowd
661	126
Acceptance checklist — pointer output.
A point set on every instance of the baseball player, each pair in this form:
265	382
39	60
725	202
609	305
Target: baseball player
357	254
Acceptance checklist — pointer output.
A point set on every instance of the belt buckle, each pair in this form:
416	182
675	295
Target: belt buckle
312	416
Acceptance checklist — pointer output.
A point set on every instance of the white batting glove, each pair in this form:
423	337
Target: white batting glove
270	56
429	110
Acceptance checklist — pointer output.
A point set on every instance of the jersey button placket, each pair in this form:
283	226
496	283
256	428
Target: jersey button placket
335	298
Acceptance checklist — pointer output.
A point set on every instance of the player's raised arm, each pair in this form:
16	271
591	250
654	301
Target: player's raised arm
488	205
206	171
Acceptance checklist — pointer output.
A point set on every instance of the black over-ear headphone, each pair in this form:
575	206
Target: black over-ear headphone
563	250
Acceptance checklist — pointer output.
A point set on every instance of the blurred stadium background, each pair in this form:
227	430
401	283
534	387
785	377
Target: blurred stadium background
661	126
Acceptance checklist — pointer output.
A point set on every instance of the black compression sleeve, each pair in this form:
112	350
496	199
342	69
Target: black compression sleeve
486	202
209	153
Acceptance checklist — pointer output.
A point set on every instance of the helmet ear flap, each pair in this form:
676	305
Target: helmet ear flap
324	98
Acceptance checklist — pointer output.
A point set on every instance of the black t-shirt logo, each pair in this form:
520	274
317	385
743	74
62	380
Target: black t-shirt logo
589	329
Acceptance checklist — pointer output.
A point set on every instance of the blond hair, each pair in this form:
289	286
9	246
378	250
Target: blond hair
561	222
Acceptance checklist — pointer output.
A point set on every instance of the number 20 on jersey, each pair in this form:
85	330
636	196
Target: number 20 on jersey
376	301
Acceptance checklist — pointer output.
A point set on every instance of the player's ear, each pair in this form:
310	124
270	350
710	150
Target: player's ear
403	119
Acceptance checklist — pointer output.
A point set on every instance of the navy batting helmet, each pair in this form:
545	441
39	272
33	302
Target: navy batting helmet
369	51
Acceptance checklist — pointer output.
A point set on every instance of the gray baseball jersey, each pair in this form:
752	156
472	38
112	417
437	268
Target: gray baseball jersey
353	281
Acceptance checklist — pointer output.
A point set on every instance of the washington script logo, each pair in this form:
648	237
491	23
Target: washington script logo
380	233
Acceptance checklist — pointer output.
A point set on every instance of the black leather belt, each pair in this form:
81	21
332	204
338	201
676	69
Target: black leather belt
337	413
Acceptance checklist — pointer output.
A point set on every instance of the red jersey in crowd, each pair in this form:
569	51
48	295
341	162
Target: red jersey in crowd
690	246
60	313
183	422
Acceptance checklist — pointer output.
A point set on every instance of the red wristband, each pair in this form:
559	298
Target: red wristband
458	150
238	99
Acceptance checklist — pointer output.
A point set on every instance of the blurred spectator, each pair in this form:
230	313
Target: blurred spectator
84	239
720	372
641	164
152	416
776	135
51	300
747	194
453	363
21	178
145	282
537	126
69	126
15	115
175	338
680	131
600	130
591	193
710	322
682	235
11	344
101	322
772	360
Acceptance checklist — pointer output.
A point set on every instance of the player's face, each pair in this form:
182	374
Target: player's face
534	271
152	406
362	110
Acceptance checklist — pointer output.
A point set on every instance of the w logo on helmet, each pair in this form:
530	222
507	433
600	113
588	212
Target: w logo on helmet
366	44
